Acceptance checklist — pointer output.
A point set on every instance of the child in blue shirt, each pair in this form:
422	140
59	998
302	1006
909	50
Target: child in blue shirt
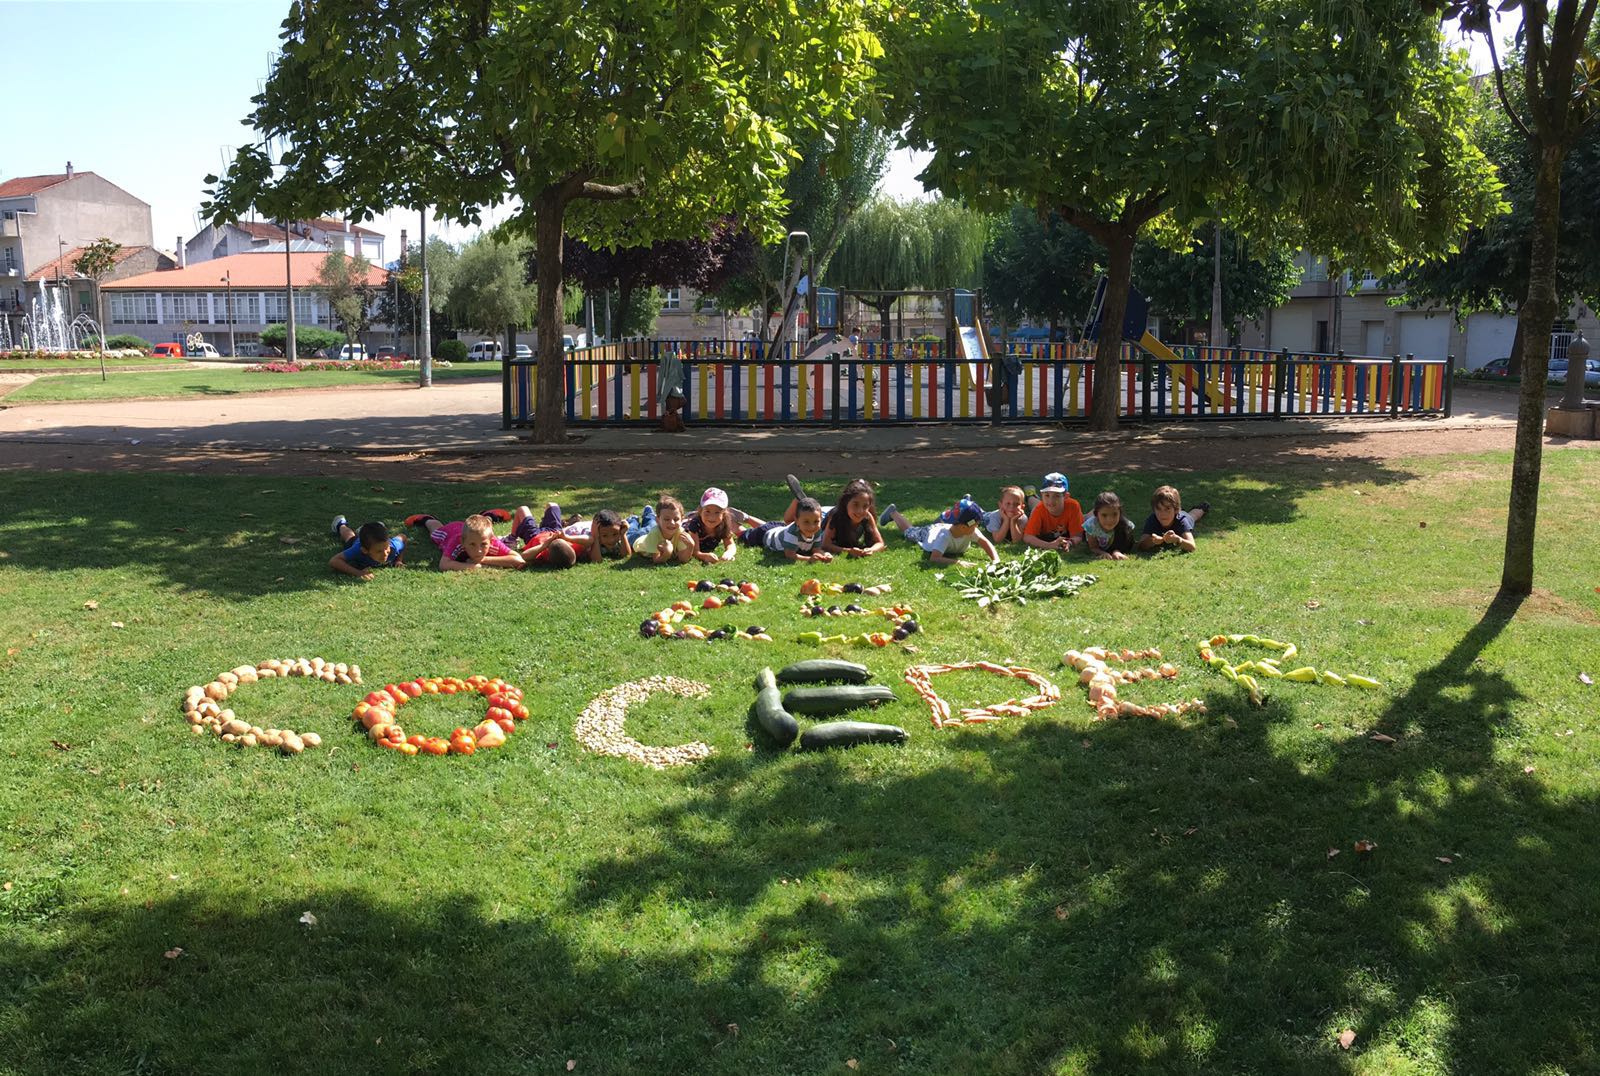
365	550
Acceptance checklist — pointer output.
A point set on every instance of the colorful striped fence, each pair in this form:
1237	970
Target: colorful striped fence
737	383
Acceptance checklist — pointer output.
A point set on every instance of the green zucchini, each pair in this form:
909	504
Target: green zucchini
822	671
770	714
850	734
822	701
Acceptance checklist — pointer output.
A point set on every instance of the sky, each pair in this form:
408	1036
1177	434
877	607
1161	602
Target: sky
150	94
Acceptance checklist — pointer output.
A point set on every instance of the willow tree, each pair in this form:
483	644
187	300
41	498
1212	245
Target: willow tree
906	246
1558	103
619	121
1340	125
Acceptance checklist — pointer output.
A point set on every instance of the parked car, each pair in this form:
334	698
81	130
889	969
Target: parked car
387	351
486	351
352	353
524	353
1591	372
1494	368
168	350
250	350
204	351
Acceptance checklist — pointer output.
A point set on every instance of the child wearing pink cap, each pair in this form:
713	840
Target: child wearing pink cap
716	526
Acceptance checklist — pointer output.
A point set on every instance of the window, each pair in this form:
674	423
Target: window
273	308
11	257
134	308
188	306
673	299
708	304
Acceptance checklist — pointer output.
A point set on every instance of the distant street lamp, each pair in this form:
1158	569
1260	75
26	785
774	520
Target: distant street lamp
227	278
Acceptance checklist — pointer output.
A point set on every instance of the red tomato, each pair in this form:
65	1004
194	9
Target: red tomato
449	689
520	712
407	748
435	746
378	698
507	725
412	689
463	747
431	687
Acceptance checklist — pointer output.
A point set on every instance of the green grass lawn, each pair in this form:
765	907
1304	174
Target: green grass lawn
82	362
1048	894
214	381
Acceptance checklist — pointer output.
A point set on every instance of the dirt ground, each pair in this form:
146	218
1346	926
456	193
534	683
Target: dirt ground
1173	455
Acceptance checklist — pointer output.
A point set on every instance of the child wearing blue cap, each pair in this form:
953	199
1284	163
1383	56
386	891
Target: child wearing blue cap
1057	520
945	542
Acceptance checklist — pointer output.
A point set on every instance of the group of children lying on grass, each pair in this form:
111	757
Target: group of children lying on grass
1046	518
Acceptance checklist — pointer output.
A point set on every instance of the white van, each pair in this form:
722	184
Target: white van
353	353
203	351
486	351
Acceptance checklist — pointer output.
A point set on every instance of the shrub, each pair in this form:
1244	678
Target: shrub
127	340
451	350
307	339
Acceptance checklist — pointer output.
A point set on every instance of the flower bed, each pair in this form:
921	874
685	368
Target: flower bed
299	366
19	355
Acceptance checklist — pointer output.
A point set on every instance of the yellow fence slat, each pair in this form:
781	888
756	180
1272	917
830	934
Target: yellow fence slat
1073	372
802	370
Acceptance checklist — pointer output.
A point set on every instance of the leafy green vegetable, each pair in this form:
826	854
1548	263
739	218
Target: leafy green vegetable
1035	574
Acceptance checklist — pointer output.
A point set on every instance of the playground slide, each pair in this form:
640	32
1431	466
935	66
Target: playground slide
973	348
1183	372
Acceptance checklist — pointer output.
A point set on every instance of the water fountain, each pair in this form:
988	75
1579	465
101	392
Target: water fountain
46	327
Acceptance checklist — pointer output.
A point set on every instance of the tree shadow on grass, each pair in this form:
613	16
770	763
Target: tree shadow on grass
1049	895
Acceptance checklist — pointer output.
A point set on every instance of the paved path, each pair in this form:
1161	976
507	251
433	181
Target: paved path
464	416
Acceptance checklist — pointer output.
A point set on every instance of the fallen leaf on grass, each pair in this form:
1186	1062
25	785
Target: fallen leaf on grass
12	651
1380	737
1365	847
59	746
247	515
117	624
1191	831
1347	1038
1527	769
851	1063
1444	859
1422	523
1316	725
1332	852
1061	911
571	1064
308	919
287	540
95	605
1583	678
6	887
173	954
1313	604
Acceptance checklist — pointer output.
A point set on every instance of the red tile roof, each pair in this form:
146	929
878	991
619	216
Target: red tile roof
65	265
24	185
253	270
260	229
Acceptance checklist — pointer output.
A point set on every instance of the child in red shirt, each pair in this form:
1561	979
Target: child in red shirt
1057	520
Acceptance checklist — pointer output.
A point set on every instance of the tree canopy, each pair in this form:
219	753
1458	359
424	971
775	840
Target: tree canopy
614	120
342	280
1038	266
922	244
1336	124
1255	278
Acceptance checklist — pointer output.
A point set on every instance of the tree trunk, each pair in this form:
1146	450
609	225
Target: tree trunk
549	416
1108	353
1533	327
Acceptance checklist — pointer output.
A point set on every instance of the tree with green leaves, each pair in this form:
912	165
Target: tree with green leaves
489	289
1040	267
890	245
95	262
1490	271
400	304
1558	105
1340	125
308	339
1255	278
345	283
617	121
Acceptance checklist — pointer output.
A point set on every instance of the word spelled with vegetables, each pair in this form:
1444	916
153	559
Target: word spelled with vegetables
920	677
1035	574
600	726
772	711
203	710
1097	671
376	714
670	623
1245	672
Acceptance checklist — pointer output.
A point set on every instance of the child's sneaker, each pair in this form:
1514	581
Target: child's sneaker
416	519
1204	506
887	515
339	521
499	515
1030	491
795	487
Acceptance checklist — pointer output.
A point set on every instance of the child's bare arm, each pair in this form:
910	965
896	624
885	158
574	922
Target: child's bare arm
344	567
512	559
447	563
1186	542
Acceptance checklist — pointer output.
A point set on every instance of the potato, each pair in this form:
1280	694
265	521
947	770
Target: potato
228	737
192	716
355	673
317	663
236	727
257	731
291	744
247	740
272	738
217	690
311	739
197	729
248	676
342	669
228	678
